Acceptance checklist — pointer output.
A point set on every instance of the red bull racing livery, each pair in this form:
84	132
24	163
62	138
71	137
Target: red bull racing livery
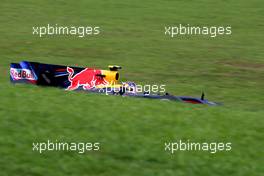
87	79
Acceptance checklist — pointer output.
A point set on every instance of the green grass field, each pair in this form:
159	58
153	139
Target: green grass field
132	132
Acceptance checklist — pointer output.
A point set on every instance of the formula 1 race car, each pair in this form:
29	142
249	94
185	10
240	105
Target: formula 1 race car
87	79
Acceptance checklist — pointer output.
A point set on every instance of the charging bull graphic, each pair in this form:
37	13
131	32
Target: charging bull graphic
87	78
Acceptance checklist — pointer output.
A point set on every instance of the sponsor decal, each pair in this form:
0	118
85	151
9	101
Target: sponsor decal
87	78
20	74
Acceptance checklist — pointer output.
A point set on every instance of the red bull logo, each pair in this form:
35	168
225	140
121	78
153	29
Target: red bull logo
18	74
87	78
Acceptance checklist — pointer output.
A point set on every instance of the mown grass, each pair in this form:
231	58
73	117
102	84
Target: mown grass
131	131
